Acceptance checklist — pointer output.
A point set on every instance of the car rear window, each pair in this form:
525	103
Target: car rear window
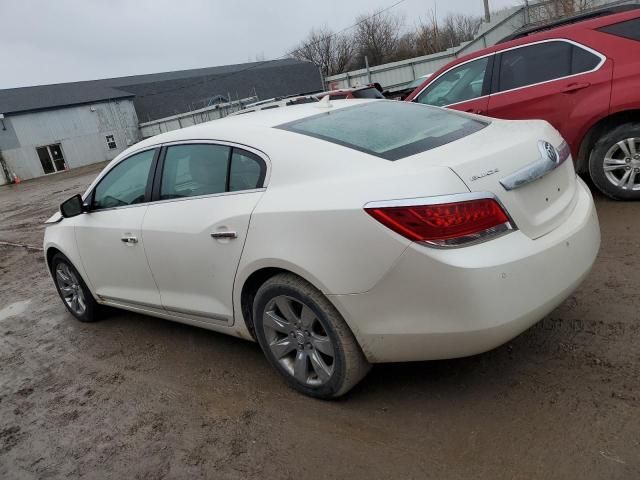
629	29
388	129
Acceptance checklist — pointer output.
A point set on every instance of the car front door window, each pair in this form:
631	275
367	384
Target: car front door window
457	85
126	183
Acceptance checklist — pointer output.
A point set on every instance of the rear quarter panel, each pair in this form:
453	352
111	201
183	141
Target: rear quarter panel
625	55
311	218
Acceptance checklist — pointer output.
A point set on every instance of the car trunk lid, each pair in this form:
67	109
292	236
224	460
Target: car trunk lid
506	159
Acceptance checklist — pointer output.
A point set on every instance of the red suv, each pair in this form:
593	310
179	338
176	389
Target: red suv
581	76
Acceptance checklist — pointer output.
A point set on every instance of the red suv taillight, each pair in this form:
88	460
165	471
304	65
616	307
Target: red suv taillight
445	224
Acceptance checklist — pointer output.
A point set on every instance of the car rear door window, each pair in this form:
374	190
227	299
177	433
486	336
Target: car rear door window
457	85
629	29
126	183
193	170
534	64
543	62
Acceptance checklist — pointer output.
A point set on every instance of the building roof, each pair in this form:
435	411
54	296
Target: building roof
42	97
159	95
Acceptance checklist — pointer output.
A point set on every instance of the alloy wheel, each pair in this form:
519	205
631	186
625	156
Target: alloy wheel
622	164
298	340
70	289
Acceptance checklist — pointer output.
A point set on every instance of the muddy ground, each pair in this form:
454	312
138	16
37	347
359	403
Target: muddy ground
138	397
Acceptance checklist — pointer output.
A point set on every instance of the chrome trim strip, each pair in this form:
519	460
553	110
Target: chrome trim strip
119	302
175	314
536	170
435	200
181	199
602	57
111	166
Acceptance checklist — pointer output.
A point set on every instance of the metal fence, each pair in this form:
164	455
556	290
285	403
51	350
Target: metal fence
182	120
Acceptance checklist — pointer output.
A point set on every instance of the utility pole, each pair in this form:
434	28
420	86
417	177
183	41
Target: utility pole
487	14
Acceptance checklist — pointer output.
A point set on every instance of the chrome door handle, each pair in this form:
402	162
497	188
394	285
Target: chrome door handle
224	235
129	240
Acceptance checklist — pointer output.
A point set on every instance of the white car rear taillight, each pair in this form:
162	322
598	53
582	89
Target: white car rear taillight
439	223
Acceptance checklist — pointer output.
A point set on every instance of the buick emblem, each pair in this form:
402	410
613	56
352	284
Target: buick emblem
548	151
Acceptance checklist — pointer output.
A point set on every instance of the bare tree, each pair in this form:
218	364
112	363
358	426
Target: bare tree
380	38
434	35
548	10
407	47
376	37
332	53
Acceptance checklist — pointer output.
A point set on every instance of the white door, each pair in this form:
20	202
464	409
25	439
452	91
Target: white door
109	237
195	232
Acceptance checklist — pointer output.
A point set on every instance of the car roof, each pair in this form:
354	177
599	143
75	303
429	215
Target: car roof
260	119
563	31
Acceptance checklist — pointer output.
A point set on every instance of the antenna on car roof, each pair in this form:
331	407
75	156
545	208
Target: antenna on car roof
325	102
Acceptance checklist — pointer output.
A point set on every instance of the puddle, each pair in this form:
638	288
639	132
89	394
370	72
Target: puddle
14	309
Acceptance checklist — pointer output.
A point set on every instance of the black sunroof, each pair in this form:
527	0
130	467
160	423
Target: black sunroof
387	129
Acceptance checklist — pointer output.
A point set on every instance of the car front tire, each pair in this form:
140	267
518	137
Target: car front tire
614	164
305	338
73	290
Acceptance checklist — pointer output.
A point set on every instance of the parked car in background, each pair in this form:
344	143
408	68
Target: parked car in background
406	91
333	240
363	91
277	102
580	74
372	90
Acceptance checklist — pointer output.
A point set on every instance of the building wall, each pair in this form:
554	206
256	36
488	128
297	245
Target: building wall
80	130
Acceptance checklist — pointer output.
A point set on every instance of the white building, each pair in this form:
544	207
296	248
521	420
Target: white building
48	128
44	137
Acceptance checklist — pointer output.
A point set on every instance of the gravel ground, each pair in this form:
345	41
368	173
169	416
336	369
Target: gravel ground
138	397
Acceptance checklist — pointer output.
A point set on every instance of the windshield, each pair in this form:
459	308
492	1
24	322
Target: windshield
417	82
388	129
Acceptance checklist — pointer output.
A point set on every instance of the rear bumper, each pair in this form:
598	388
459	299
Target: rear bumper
437	304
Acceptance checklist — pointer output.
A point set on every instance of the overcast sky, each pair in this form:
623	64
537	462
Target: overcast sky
45	41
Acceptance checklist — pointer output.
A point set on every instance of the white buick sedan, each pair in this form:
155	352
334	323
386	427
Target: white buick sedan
337	235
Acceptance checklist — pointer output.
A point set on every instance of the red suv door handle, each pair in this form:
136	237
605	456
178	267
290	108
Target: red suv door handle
477	111
574	87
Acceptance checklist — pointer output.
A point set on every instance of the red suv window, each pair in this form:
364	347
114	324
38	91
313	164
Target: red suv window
629	29
543	62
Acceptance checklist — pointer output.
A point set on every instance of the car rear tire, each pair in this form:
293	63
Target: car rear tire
614	164
72	290
305	338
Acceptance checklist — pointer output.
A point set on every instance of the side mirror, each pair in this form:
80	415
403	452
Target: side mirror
72	207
